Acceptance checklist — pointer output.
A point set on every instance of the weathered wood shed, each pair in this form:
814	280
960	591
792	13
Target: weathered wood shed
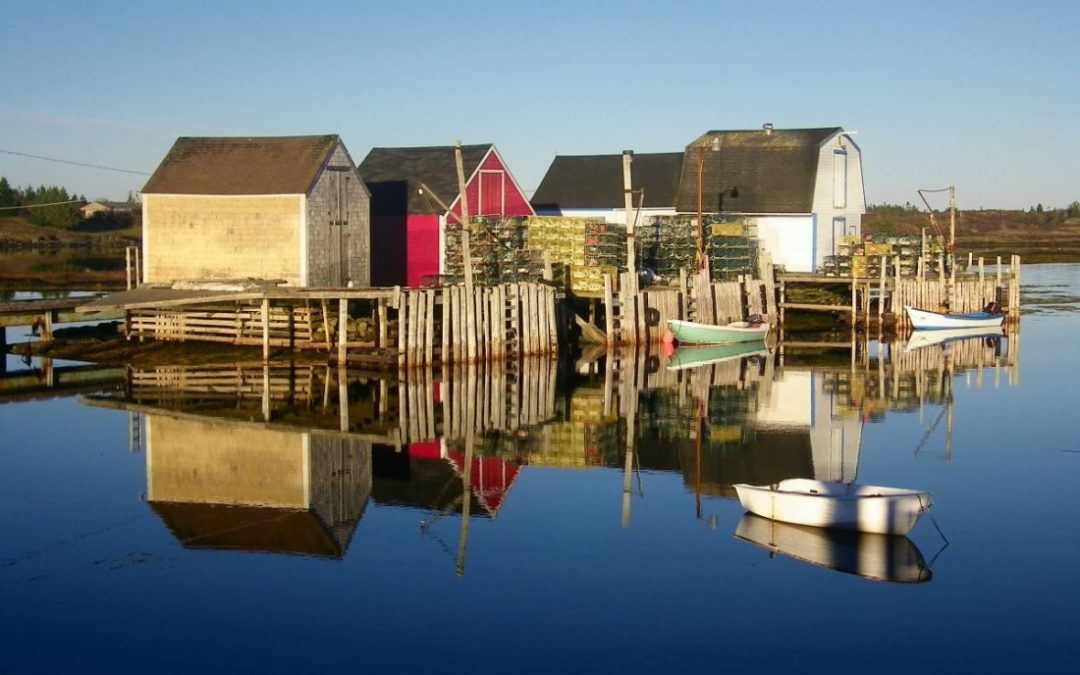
800	190
292	209
407	228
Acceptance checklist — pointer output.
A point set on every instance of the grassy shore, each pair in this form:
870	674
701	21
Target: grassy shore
33	257
1037	237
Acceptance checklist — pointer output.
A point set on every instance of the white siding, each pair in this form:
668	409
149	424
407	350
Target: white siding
825	199
789	241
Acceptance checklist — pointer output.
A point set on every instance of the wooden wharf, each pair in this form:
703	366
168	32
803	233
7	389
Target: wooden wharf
881	300
44	315
409	328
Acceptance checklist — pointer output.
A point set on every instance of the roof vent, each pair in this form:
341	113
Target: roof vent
767	127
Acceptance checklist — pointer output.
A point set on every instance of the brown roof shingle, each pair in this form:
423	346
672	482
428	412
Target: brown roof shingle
773	172
242	166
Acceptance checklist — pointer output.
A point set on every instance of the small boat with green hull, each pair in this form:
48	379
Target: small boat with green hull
692	333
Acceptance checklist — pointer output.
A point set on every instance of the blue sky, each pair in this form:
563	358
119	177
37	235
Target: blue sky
985	95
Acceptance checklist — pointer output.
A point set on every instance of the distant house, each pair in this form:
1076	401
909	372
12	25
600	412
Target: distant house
292	209
800	190
93	208
591	186
407	228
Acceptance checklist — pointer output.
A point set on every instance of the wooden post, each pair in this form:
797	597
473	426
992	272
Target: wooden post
881	294
628	203
470	305
343	327
127	265
548	275
343	396
266	411
609	310
266	329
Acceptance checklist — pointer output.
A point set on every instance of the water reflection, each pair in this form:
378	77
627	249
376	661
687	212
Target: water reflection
880	557
286	458
231	485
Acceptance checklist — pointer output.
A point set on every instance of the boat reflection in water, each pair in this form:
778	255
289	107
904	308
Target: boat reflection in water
923	339
880	557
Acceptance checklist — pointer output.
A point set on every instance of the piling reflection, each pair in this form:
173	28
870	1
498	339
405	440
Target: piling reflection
286	457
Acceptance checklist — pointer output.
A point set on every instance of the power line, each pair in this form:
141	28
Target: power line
73	163
38	206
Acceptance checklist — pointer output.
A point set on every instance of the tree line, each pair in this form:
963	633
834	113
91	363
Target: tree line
54	206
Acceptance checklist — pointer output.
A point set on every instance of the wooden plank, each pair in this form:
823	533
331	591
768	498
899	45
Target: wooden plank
609	312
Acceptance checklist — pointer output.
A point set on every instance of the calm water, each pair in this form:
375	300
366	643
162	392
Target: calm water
170	527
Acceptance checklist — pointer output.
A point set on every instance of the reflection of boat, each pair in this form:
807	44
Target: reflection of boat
689	332
924	320
688	357
921	339
882	557
867	508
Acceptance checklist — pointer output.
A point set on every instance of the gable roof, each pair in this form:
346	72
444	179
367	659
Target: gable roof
596	181
269	165
433	165
774	171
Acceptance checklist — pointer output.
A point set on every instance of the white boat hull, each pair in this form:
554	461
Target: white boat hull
865	508
880	557
924	320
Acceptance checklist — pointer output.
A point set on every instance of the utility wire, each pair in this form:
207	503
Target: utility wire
67	161
38	206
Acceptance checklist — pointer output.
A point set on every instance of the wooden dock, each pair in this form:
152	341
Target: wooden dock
44	315
882	300
409	328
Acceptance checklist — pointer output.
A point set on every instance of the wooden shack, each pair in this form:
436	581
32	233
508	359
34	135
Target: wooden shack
289	209
799	191
408	228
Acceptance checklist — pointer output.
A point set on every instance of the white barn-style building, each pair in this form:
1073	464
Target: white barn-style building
799	190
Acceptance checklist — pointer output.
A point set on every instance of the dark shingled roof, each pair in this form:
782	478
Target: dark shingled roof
596	181
242	166
388	171
773	172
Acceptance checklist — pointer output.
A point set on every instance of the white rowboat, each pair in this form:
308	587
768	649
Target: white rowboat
865	508
924	320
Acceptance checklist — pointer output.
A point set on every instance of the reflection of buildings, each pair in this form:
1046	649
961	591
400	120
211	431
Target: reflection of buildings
799	404
283	458
429	477
231	485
